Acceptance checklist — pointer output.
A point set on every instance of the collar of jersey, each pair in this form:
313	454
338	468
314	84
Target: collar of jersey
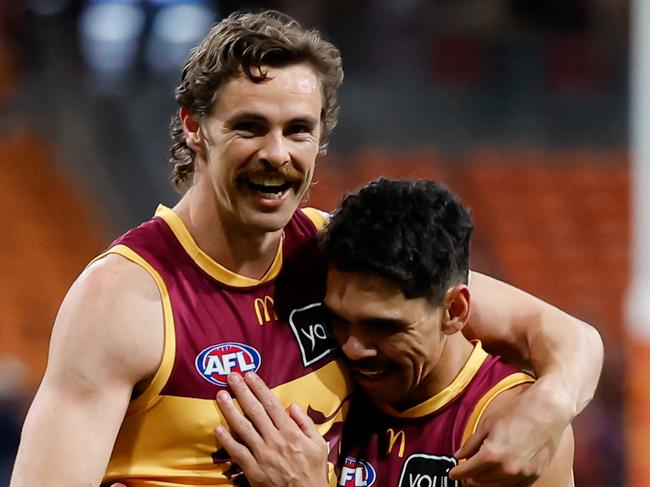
466	374
205	262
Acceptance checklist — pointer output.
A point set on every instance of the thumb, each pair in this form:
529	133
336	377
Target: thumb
118	485
472	445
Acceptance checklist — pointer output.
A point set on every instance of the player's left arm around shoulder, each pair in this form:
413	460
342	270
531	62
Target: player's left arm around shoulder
565	353
507	451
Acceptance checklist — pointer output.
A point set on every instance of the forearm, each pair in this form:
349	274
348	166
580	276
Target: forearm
565	353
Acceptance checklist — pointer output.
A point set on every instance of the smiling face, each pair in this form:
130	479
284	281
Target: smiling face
396	347
257	149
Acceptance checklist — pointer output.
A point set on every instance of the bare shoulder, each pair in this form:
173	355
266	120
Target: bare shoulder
107	338
110	323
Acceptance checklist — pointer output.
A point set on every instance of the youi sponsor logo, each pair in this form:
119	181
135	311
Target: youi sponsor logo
424	470
313	337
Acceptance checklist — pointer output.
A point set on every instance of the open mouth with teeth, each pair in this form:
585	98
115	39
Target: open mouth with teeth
269	186
369	374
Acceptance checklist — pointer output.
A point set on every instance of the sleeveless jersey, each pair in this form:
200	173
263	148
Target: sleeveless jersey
415	448
217	322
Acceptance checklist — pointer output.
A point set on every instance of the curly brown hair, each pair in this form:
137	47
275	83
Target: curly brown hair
246	43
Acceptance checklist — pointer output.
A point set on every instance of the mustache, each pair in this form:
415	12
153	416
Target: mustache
286	171
368	364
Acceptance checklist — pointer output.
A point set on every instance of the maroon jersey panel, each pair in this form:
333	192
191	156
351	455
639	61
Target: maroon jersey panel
275	328
384	450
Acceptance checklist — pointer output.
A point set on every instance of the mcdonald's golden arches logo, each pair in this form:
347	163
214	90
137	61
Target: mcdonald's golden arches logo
265	309
392	438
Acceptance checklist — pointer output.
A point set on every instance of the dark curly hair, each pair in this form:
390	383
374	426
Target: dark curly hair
246	43
414	233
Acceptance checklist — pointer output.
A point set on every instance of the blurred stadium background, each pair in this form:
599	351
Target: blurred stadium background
521	106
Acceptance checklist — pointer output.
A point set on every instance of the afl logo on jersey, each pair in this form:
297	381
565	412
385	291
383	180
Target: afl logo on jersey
356	473
216	362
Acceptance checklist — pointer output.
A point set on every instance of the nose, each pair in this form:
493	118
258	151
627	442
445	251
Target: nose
356	345
274	152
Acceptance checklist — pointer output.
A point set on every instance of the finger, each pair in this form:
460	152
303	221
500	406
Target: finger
494	475
471	467
304	422
251	406
472	445
497	476
500	483
510	472
239	453
118	485
238	423
270	403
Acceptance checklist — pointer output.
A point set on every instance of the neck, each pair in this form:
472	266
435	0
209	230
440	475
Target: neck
244	251
455	354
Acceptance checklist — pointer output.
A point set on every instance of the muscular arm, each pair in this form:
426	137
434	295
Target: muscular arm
107	337
559	472
565	353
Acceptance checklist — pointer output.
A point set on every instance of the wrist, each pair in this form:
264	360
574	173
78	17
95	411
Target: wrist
555	396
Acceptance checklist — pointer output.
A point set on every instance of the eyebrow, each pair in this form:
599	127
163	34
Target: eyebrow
254	116
311	121
371	321
331	314
249	116
384	322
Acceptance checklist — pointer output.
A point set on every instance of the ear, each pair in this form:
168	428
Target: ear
192	130
457	306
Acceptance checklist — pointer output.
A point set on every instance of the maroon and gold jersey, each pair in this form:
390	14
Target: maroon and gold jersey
217	322
415	448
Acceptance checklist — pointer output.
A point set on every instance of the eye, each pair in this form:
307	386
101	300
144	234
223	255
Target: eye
332	320
386	327
249	128
336	327
299	129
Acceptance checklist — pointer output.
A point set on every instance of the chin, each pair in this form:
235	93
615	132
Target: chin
380	399
270	223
